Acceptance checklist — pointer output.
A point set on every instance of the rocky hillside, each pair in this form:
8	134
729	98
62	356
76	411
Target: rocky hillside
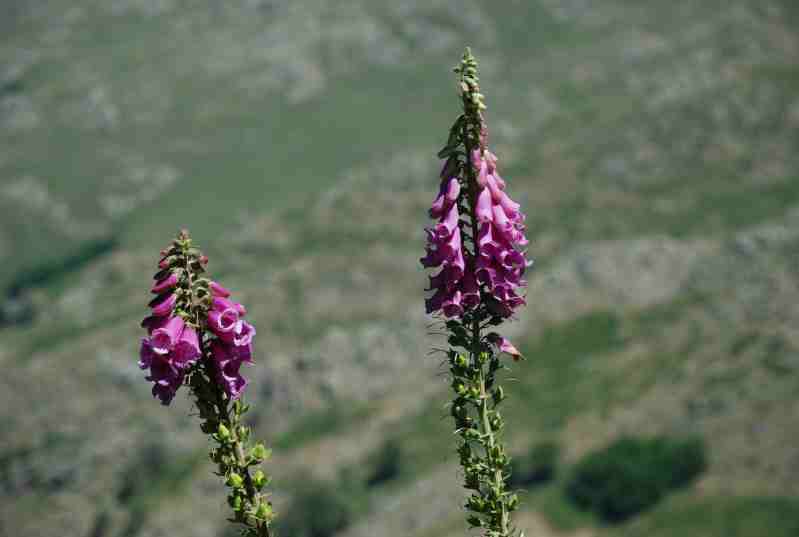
655	146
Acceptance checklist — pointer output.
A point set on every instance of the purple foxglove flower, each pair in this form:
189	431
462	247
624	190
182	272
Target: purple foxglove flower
187	349
163	305
437	209
146	354
223	322
452	307
447	225
483	207
166	377
504	345
164	339
447	194
221	304
453	190
166	284
152	323
218	290
242	353
243	334
471	291
221	353
231	380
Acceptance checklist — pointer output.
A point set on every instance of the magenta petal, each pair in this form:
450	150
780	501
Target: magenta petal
453	189
163	339
165	285
152	323
507	347
187	349
483	208
218	290
243	334
224	321
146	354
163	304
220	304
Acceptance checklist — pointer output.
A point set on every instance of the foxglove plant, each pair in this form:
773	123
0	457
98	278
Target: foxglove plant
197	337
476	245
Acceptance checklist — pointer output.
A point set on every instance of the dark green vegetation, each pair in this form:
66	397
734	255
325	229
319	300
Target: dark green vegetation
633	474
653	144
539	465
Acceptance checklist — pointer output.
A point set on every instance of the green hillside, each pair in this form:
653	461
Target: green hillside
654	145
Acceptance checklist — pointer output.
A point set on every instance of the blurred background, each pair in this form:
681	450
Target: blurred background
654	145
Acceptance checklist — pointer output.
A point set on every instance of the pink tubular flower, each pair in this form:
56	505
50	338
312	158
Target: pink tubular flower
153	322
187	348
228	362
194	327
165	285
221	304
504	345
493	272
164	339
222	323
218	290
500	263
163	305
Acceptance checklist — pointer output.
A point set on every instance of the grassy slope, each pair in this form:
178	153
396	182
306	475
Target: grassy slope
618	121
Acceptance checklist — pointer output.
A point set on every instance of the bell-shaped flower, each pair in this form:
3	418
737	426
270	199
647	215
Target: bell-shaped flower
163	305
164	339
165	284
187	348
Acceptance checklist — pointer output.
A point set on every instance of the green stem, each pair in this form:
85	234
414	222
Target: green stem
221	402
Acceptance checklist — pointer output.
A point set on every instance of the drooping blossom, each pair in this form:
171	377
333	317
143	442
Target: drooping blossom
493	271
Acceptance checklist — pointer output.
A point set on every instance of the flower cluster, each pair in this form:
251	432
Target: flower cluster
183	308
455	286
477	244
172	347
497	263
197	336
233	343
500	264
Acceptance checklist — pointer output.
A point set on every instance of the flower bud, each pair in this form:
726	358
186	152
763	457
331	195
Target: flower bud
260	453
223	432
264	511
234	480
259	479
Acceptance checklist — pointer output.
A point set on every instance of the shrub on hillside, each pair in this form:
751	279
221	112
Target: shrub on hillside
322	508
537	466
632	474
386	464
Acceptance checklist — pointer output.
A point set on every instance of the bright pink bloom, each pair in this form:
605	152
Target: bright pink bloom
498	265
218	290
163	305
223	322
220	304
166	284
187	348
164	339
152	323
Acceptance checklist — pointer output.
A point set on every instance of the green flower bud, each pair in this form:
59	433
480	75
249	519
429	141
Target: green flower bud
234	501
234	480
259	479
223	432
264	511
260	453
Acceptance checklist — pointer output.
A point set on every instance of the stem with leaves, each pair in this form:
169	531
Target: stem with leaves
222	416
474	356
